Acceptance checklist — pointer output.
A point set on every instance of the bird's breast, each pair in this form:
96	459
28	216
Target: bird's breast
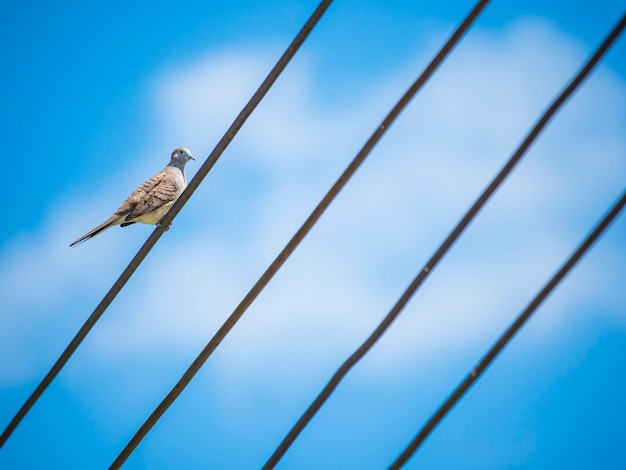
154	216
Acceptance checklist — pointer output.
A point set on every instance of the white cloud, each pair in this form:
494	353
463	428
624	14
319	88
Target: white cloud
348	272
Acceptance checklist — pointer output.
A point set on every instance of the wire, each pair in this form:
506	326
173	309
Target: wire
441	251
167	220
508	335
296	239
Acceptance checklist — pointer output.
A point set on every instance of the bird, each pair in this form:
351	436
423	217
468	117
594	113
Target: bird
150	202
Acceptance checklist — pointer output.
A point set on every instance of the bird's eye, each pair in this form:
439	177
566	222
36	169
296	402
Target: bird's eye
180	151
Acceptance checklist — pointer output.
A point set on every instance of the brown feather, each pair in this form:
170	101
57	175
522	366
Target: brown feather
154	196
110	222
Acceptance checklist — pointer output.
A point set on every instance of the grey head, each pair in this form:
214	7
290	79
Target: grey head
180	156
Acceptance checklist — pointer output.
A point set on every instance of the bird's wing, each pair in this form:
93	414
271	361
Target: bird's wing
161	189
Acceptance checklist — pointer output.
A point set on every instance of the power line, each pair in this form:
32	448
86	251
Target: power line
297	238
167	220
508	335
442	250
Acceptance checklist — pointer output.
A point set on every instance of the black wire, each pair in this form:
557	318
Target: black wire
508	335
295	240
167	220
441	251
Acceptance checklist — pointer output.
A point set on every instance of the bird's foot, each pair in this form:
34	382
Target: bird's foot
159	224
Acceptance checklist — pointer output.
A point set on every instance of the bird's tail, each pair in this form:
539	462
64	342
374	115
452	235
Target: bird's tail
113	220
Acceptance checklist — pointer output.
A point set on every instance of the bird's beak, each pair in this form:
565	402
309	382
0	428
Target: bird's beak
191	156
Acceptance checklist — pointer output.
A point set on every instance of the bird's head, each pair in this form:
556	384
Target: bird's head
181	155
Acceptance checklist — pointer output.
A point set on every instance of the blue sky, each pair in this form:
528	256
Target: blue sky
96	97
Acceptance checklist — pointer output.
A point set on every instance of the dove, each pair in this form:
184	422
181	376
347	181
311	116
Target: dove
152	200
